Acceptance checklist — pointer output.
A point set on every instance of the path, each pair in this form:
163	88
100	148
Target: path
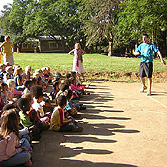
122	127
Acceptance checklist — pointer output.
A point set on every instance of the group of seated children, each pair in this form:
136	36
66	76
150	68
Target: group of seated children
26	110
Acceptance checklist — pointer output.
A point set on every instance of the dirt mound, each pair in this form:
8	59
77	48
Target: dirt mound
158	76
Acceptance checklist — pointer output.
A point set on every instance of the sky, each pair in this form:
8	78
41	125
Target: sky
4	2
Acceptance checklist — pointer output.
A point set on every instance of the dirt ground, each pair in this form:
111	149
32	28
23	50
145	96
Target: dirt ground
122	127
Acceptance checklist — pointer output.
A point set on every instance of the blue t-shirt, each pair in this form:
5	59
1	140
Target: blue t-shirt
146	52
68	106
16	78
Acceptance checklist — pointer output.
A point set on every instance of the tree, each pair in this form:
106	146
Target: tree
100	20
16	20
4	19
53	17
141	16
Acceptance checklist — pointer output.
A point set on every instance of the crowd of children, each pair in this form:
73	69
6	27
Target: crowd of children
27	109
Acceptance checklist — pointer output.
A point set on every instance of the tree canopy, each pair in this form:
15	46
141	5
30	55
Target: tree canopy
91	22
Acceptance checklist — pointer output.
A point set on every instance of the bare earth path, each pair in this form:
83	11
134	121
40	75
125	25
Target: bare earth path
122	127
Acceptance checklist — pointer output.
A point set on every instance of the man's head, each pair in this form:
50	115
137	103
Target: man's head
145	38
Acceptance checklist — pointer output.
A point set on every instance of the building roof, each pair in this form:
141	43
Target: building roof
42	38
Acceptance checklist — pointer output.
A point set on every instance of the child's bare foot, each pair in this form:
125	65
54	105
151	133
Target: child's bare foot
28	164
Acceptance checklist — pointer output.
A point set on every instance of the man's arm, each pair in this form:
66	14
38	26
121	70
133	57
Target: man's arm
162	60
137	53
1	47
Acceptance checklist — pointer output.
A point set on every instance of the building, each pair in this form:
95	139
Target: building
45	44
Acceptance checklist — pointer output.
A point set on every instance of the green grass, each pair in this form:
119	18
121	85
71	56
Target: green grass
92	62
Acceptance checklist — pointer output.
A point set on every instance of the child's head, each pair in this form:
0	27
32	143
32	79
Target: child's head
36	75
67	82
9	122
11	84
7	64
28	84
23	104
1	66
68	76
63	87
18	71
73	74
62	101
57	75
56	85
29	97
58	79
8	107
4	87
73	80
69	94
28	69
77	46
44	70
9	69
39	81
34	81
37	92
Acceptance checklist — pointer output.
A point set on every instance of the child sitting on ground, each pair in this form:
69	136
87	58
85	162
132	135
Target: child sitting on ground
55	90
78	83
18	79
70	108
2	70
13	93
77	88
23	132
5	98
34	116
28	72
58	120
63	87
27	84
24	107
12	153
74	89
8	74
38	104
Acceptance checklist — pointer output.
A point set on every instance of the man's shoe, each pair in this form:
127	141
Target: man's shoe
149	93
143	88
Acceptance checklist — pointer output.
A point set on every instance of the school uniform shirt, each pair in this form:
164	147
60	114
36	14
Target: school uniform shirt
24	119
16	78
58	119
7	76
9	146
38	107
26	91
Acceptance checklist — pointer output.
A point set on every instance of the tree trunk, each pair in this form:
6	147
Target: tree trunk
110	48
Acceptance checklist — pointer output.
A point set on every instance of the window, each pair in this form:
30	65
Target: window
33	45
24	45
53	45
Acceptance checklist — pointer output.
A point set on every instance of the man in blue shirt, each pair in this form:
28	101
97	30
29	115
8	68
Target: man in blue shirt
145	51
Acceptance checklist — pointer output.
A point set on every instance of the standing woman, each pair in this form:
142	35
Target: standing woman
8	49
78	60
